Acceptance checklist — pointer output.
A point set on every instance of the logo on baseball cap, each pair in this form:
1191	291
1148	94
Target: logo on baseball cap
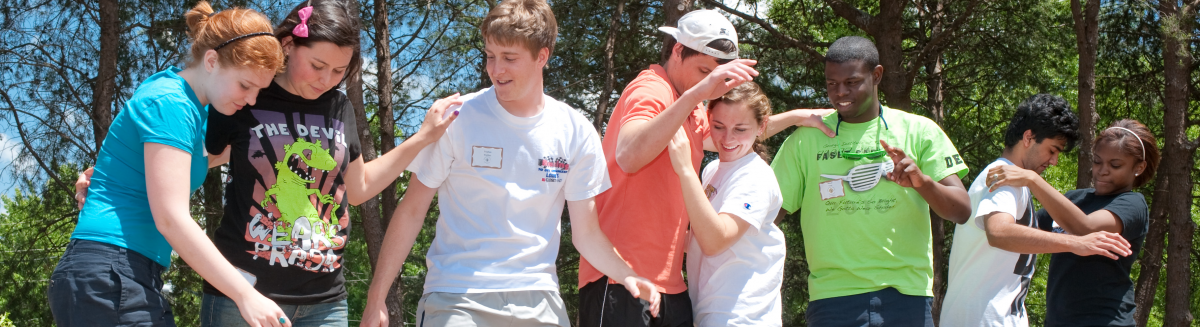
697	28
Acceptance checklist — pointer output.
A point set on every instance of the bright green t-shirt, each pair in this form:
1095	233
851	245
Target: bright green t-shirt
862	232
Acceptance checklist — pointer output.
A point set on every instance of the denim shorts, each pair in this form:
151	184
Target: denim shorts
100	284
887	307
216	310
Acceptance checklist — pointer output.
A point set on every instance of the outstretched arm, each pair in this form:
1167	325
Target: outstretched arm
778	122
594	246
398	242
365	180
1003	232
1065	213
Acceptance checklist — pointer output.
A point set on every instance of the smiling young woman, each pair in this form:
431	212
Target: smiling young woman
1125	157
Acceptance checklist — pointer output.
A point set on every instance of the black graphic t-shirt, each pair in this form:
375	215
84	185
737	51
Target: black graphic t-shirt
1095	290
286	217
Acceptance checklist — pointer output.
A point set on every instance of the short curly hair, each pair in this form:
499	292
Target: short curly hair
1048	116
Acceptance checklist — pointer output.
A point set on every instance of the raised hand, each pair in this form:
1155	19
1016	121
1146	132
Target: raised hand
726	77
1103	243
436	122
644	289
906	173
1010	175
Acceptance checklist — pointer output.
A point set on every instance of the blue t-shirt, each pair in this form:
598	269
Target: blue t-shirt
163	110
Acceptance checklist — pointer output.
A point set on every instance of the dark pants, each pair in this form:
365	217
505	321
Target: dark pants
886	307
602	304
100	284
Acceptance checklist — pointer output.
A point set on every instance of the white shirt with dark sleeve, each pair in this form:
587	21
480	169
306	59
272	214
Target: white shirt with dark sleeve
988	285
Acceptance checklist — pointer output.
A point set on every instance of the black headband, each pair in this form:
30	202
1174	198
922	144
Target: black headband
235	39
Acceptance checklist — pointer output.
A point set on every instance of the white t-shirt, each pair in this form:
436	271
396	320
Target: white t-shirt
987	285
502	182
740	287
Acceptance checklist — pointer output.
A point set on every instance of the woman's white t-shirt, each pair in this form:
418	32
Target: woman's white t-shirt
740	287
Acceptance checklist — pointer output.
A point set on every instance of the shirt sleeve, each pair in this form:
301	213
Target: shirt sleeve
789	173
1003	200
220	132
350	129
169	120
587	175
750	200
432	164
1131	208
937	157
643	104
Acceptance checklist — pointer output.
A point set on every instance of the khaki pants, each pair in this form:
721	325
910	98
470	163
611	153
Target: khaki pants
516	308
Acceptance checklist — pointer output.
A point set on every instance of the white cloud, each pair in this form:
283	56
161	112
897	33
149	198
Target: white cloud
9	148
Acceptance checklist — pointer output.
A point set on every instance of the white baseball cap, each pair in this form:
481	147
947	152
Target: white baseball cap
698	28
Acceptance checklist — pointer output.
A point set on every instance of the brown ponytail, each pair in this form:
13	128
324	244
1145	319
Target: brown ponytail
753	97
208	30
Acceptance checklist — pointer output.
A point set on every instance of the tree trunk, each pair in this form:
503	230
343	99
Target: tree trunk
1151	260
1178	155
387	136
1087	33
106	83
888	30
609	78
936	105
372	224
672	10
383	90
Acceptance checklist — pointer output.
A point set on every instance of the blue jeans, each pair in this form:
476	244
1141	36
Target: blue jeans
216	310
100	284
886	307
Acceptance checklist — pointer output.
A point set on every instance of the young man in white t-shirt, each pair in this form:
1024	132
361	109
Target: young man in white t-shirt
994	252
502	173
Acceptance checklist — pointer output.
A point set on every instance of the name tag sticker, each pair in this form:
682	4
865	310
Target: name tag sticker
832	189
487	157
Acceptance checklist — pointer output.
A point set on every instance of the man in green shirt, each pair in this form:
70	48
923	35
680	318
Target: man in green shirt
864	198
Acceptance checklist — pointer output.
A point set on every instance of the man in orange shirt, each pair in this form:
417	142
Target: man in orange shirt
643	213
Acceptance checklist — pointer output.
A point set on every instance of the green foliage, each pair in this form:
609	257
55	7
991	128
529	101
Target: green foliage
35	232
1002	53
5	322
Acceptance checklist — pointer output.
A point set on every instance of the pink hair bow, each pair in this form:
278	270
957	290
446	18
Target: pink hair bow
301	30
